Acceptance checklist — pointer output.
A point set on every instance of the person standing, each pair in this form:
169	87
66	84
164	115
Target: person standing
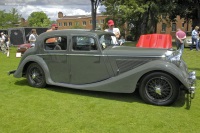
195	38
180	39
53	27
111	28
52	40
32	37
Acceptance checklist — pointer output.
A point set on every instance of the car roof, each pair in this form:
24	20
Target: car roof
74	31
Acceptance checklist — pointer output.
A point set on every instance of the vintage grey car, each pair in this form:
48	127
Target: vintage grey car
90	60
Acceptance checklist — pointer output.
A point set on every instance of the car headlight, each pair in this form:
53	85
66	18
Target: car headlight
174	57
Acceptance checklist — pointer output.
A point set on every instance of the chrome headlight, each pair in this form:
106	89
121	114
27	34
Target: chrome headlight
174	57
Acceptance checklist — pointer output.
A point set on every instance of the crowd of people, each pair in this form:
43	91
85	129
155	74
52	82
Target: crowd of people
4	43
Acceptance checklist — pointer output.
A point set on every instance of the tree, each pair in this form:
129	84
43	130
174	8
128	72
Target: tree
9	19
141	15
14	16
38	19
187	9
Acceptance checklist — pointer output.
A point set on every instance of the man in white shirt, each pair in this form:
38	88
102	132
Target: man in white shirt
112	29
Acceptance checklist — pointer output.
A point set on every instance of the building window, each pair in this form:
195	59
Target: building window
84	23
65	23
70	23
164	27
183	24
97	21
77	23
102	21
60	24
173	26
90	21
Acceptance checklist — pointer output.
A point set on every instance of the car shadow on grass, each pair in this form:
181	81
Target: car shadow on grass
125	97
183	100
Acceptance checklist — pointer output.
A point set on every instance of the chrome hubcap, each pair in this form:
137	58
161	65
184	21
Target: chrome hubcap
158	90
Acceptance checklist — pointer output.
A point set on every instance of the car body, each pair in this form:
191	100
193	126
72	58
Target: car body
23	47
89	60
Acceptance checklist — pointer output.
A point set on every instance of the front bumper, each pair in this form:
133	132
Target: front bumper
192	83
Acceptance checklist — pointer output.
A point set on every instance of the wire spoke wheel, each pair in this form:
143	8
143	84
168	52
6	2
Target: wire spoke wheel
159	89
35	75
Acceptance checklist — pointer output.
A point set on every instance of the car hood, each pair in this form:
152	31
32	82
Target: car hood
27	45
135	51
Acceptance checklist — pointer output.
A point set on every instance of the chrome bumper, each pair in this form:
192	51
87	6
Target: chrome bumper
192	82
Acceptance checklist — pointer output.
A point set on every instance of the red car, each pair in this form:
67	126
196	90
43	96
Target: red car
23	47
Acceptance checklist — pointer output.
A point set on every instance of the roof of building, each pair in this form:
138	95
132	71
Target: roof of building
79	16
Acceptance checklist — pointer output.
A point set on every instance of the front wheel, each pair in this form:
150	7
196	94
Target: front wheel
159	89
35	76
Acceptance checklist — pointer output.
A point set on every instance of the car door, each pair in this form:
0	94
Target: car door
55	56
87	64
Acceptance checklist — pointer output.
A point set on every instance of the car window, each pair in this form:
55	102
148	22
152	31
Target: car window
84	43
107	40
55	43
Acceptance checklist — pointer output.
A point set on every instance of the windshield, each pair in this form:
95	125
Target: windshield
107	40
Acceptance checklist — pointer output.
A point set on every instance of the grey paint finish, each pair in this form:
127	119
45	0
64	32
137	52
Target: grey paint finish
115	69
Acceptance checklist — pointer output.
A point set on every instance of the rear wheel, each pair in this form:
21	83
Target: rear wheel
35	76
159	89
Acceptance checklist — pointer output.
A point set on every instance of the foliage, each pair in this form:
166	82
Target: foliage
25	109
9	19
142	16
38	19
188	9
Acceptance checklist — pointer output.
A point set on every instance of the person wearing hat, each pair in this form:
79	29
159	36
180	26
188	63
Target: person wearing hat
53	27
112	29
52	40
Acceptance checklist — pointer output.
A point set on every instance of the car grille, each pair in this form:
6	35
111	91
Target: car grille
125	65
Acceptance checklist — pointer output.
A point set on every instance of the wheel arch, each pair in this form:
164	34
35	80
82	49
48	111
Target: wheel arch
35	59
144	75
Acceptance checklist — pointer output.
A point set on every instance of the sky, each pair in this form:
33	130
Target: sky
50	7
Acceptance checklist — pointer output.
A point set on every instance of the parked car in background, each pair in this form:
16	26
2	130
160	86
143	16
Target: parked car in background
89	60
23	47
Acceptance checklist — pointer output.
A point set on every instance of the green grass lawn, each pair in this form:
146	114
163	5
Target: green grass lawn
24	109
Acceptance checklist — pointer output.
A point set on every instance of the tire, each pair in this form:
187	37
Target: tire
159	89
35	76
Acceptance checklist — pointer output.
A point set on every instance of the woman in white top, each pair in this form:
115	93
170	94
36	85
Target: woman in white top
32	37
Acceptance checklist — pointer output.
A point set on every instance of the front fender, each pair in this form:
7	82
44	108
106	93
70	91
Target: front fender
32	58
167	67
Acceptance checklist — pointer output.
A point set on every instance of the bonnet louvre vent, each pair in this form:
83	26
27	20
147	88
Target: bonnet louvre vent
125	65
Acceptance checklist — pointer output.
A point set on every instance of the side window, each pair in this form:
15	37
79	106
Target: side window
83	43
107	40
55	43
